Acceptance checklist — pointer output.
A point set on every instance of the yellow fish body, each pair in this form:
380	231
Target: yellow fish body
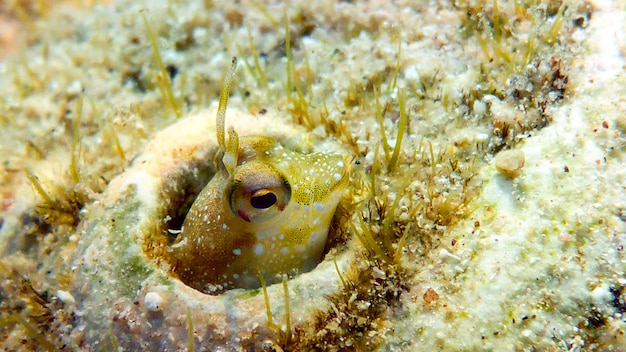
265	212
269	215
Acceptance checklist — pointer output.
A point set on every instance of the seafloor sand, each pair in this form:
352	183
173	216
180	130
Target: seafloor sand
436	247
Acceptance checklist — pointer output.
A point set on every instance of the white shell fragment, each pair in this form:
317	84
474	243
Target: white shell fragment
66	298
153	301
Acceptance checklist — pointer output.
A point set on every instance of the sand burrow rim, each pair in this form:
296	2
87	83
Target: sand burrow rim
183	167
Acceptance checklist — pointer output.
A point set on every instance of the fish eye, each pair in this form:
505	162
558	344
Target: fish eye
259	192
263	199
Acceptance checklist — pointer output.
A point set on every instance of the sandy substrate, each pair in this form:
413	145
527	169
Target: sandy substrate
545	267
464	254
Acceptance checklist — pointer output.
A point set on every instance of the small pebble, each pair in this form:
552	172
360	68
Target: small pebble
430	296
153	301
510	162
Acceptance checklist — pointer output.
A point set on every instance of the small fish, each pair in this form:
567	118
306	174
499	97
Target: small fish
266	211
271	217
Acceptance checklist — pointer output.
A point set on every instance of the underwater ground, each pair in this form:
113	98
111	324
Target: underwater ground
487	201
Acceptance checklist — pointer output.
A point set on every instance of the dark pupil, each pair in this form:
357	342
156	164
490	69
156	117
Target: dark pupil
263	202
